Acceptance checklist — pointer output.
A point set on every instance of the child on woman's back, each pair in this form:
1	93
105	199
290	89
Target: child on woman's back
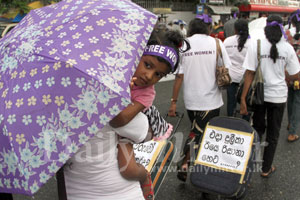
112	173
157	61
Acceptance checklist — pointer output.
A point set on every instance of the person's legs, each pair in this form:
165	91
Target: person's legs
290	104
231	98
199	120
274	118
182	165
295	114
259	123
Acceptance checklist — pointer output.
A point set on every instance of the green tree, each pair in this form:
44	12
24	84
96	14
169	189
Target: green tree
47	2
238	2
21	5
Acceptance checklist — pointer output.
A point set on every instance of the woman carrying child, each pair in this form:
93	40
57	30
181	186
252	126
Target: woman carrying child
100	170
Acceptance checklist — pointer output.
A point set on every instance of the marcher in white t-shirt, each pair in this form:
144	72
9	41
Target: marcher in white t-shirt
236	47
277	55
183	30
100	170
93	173
197	71
293	102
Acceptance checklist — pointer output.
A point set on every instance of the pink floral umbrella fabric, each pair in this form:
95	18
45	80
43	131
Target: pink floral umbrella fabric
64	73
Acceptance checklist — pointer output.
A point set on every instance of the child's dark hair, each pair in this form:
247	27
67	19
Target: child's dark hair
198	26
273	34
242	30
296	23
170	38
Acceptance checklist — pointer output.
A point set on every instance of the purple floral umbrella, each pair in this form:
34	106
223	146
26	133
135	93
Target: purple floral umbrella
64	73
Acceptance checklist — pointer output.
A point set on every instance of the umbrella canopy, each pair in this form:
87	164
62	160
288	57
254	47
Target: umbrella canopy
179	21
256	28
64	73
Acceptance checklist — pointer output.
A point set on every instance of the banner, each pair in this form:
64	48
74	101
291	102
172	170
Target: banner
225	149
216	1
147	153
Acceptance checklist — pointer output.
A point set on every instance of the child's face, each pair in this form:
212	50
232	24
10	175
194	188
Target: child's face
150	71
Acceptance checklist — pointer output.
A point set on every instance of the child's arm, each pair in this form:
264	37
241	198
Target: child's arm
160	127
142	97
127	114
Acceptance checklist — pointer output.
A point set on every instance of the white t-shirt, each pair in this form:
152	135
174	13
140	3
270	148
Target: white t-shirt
93	172
293	30
183	32
237	57
198	65
275	88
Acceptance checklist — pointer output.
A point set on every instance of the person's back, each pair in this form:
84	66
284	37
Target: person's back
275	89
199	74
229	28
293	103
183	30
229	25
236	47
100	170
199	68
236	57
93	173
276	56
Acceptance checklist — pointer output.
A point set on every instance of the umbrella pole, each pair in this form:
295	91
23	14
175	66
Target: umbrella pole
61	186
6	196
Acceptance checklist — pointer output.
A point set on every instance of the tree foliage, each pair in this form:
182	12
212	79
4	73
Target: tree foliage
21	5
238	2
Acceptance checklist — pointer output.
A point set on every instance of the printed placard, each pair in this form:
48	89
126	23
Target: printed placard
147	153
225	149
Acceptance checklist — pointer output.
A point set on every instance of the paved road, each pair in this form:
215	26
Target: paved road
283	185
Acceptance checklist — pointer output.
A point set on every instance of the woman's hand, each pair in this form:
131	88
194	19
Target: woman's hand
243	108
147	188
172	110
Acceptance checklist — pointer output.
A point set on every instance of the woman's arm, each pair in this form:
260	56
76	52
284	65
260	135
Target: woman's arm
249	76
129	169
127	114
176	89
294	77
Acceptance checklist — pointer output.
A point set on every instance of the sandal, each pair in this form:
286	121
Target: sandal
150	194
182	173
269	173
292	138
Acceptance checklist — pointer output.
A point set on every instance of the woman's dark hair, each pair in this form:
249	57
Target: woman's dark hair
273	34
198	26
170	38
296	23
241	28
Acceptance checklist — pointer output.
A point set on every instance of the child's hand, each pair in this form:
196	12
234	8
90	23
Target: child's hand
132	82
